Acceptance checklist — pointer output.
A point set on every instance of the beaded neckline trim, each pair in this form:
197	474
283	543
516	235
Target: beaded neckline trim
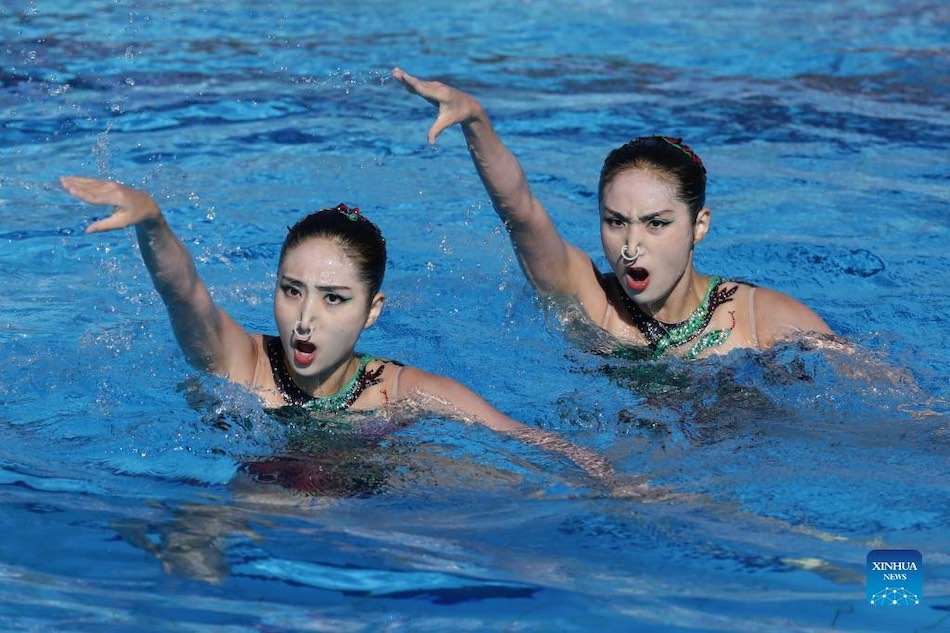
661	336
333	403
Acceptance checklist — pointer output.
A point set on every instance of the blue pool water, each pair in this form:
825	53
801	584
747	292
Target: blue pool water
825	129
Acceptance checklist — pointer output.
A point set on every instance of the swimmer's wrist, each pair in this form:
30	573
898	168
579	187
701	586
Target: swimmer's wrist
478	115
154	220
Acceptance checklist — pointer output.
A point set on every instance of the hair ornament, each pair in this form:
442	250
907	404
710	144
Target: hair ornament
351	214
683	147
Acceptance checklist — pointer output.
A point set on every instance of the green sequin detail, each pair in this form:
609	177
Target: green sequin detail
710	339
688	329
342	398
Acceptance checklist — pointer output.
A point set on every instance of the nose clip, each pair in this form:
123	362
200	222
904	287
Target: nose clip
302	331
627	258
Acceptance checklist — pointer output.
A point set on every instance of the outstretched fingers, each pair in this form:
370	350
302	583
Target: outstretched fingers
454	106
90	190
442	122
130	206
111	223
415	85
430	91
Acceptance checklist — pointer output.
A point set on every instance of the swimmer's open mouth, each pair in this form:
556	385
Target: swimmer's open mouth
305	346
638	274
637	279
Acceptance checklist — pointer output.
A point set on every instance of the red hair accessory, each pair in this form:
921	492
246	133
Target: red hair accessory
352	214
680	145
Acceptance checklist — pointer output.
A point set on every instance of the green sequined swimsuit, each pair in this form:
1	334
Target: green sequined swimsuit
662	336
333	403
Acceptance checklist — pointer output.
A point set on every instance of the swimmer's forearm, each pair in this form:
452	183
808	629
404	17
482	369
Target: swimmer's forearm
500	171
590	462
196	321
542	252
445	396
168	261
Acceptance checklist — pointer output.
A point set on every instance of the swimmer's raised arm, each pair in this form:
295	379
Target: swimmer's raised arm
209	338
445	396
551	264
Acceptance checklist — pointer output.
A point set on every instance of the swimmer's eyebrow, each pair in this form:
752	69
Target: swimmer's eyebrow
617	214
643	218
296	282
646	217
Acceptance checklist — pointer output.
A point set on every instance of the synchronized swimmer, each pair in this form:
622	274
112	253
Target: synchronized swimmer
330	272
652	196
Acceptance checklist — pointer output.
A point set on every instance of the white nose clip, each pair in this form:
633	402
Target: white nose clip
302	332
628	258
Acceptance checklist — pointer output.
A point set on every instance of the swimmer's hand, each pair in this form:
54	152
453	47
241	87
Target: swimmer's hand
454	105
130	206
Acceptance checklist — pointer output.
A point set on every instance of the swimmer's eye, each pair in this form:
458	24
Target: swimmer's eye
289	290
614	221
335	299
657	223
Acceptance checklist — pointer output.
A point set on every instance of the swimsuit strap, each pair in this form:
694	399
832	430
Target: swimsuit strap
752	327
338	401
394	388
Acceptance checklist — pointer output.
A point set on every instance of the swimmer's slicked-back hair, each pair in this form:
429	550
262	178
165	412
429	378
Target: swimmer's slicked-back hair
359	238
667	157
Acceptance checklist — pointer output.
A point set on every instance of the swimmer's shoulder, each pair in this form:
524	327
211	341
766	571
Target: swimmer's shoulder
405	381
595	295
396	382
260	379
386	378
779	316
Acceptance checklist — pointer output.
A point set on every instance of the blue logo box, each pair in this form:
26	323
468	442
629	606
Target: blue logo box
895	577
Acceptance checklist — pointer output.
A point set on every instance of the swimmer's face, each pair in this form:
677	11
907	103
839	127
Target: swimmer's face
318	285
640	209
